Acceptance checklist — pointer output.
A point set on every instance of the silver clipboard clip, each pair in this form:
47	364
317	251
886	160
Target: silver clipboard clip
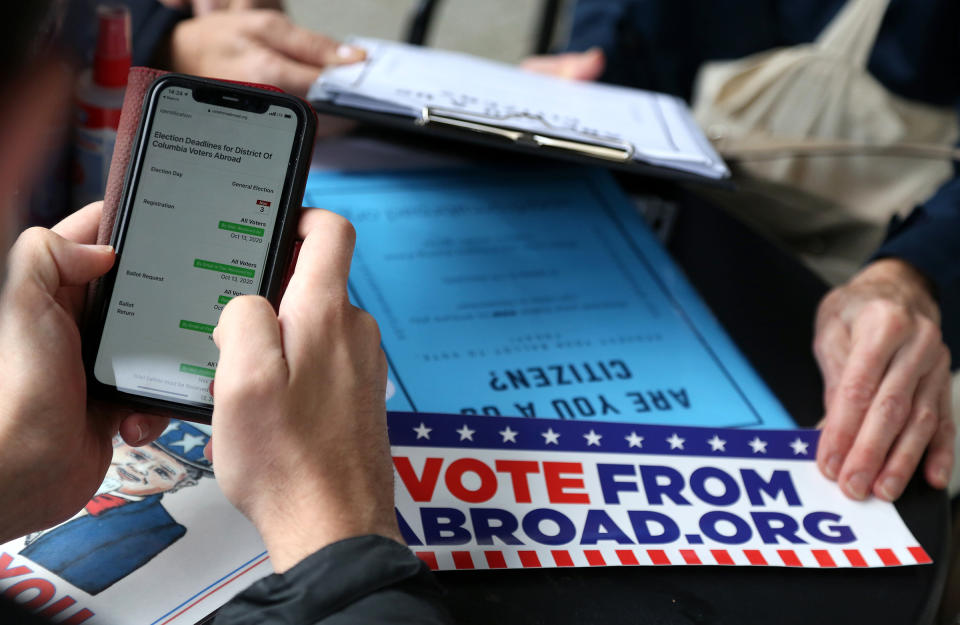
610	150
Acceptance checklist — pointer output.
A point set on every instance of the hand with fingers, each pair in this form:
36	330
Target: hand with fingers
886	378
56	450
588	65
199	7
299	424
255	45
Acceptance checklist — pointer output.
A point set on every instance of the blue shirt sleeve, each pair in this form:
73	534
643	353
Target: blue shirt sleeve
929	239
660	45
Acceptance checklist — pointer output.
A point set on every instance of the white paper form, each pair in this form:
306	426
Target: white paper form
404	79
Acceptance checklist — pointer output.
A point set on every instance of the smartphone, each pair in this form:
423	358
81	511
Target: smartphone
208	212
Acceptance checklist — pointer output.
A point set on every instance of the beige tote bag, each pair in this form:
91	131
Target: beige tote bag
822	153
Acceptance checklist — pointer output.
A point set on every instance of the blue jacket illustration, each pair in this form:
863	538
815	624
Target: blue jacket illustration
95	552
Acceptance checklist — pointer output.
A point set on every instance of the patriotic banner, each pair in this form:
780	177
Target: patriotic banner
479	492
473	492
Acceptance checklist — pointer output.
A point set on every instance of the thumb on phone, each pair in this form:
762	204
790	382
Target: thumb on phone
42	262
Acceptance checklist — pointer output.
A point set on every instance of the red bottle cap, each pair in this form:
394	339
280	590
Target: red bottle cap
111	59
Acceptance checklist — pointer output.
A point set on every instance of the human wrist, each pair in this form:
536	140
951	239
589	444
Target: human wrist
12	486
902	282
291	539
299	525
166	55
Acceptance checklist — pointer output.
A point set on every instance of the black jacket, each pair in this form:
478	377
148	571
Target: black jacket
368	579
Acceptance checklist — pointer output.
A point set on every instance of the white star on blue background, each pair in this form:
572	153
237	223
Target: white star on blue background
188	442
566	436
550	437
676	442
423	431
466	434
758	446
509	436
799	447
717	444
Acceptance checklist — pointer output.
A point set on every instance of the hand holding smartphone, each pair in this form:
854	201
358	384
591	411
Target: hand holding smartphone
208	213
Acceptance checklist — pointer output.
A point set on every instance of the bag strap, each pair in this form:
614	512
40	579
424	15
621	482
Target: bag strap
771	149
853	31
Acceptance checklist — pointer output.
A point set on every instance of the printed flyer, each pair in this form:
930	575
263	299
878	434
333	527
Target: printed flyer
535	293
473	492
483	492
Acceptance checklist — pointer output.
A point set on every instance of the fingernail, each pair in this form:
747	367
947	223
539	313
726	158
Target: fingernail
942	476
832	466
349	53
857	484
890	488
103	249
141	433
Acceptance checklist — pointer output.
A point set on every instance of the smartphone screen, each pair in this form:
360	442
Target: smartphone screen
202	217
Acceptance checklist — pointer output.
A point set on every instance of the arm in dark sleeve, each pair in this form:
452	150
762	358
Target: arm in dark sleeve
596	23
367	579
621	30
660	45
929	239
150	24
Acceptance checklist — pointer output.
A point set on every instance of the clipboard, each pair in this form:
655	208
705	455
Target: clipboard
476	100
490	132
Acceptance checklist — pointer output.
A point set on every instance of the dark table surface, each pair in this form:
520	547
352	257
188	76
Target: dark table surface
766	300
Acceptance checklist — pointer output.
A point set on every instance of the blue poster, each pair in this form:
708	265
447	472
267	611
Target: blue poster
535	293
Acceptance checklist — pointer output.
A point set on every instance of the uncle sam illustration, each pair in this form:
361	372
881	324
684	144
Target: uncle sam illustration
125	525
